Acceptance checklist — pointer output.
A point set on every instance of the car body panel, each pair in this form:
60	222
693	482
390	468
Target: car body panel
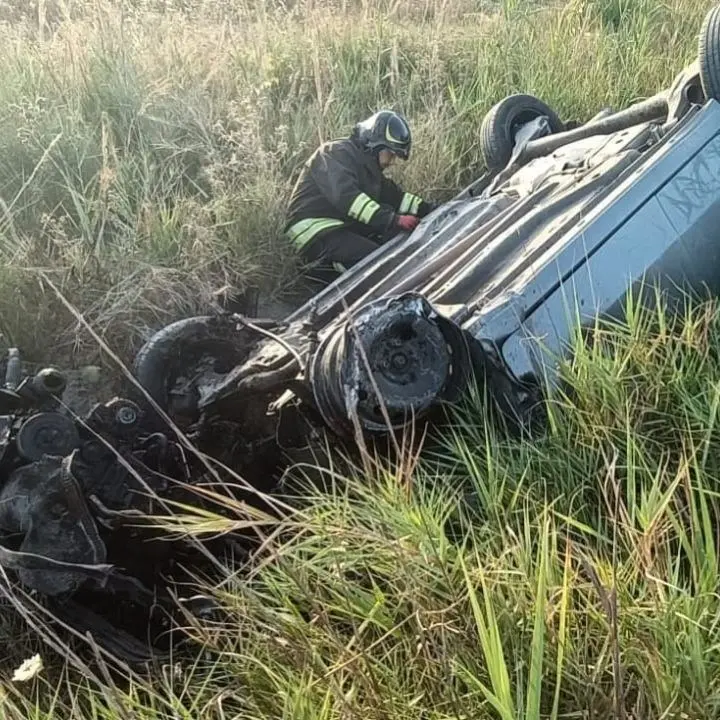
560	242
659	227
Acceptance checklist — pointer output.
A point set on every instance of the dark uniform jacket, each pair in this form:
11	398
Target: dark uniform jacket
341	185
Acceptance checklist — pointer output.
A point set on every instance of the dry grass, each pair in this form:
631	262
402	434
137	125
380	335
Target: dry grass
147	156
158	141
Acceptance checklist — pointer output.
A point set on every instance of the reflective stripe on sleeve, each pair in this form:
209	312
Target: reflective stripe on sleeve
369	211
363	208
410	204
357	205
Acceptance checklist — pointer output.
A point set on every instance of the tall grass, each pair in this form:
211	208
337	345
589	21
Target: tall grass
572	576
148	148
147	154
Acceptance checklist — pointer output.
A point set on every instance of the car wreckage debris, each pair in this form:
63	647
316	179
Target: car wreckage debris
44	502
486	291
74	495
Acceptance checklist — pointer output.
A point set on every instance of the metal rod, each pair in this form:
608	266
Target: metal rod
651	109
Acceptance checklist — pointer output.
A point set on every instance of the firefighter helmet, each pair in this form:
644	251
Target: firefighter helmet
385	130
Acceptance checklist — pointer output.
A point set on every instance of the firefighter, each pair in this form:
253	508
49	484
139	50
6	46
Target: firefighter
343	207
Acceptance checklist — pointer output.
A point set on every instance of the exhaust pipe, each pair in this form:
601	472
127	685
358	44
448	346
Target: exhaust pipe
654	108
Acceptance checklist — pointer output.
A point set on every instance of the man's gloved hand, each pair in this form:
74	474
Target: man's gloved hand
406	222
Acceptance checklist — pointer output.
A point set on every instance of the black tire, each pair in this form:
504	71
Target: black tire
497	132
709	54
178	345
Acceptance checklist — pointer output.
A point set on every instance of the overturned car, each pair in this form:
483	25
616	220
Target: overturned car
489	288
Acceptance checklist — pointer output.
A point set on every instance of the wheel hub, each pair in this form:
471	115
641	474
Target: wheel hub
395	361
409	362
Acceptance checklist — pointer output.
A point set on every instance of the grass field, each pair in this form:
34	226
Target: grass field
146	153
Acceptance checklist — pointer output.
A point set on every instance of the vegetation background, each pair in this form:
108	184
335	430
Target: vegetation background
147	149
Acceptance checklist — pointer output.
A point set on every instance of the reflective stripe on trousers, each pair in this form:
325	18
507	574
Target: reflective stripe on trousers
303	231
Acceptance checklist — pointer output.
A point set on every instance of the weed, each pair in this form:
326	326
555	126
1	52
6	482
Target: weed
148	151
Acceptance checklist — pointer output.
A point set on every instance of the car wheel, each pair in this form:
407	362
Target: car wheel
186	348
709	54
504	119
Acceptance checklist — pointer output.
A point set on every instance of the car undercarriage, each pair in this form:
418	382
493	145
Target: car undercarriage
490	289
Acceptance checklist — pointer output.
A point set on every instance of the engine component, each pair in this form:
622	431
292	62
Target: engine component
123	416
49	381
61	544
13	370
117	419
47	433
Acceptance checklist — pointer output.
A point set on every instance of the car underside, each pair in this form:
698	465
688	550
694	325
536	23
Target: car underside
490	289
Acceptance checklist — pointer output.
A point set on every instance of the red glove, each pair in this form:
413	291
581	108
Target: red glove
406	222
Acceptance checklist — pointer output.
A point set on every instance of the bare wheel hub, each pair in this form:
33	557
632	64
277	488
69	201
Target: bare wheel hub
394	361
